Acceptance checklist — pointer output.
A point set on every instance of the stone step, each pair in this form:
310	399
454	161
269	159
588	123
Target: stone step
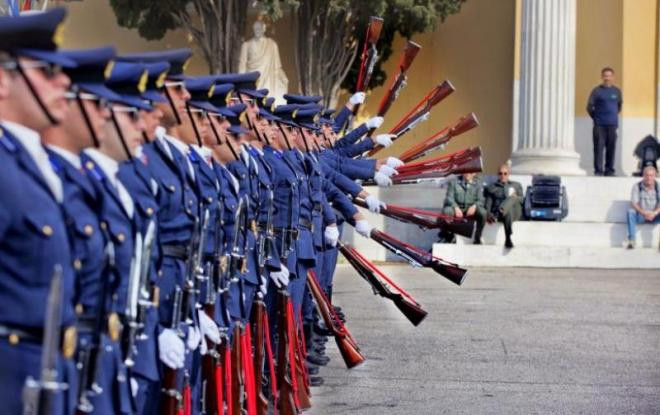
590	199
548	256
571	234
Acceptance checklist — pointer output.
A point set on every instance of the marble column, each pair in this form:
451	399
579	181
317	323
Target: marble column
546	114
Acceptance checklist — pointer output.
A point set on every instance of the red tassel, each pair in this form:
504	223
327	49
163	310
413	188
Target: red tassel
187	404
219	393
292	351
248	369
230	407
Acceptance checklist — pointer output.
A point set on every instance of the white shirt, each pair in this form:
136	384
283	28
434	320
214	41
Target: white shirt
70	157
31	141
248	159
160	136
234	180
183	149
110	167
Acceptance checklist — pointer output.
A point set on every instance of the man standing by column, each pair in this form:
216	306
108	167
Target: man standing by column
603	107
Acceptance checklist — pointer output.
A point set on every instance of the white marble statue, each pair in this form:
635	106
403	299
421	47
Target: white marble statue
262	54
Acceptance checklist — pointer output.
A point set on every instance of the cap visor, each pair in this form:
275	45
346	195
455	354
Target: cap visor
53	57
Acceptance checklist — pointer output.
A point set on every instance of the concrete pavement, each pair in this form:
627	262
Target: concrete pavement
509	341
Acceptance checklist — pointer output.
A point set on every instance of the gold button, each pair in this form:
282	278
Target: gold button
160	272
89	230
47	230
79	309
104	225
150	211
172	188
77	264
13	339
121	237
210	199
89	165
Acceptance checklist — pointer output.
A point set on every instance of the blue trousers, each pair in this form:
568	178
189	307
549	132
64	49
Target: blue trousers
635	218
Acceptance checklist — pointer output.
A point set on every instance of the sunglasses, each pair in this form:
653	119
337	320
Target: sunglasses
50	70
101	103
199	113
217	116
132	111
179	86
503	173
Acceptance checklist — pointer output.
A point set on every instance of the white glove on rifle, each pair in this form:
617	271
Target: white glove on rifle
373	203
387	170
331	235
363	228
394	162
374	122
281	277
384	140
171	349
263	288
357	98
194	338
208	327
382	180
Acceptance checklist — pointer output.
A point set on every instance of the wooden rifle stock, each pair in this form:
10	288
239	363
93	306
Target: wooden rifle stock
470	163
417	257
406	304
425	218
399	82
447	159
412	118
440	138
258	311
345	343
287	400
371	38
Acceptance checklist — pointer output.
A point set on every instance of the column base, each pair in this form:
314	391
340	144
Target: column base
546	161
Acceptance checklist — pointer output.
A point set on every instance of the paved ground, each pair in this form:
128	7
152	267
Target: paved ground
509	341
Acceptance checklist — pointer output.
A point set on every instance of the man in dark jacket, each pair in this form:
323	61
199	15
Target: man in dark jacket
504	202
604	107
465	198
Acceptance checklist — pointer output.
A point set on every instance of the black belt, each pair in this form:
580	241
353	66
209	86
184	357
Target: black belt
318	207
176	251
305	224
283	231
87	324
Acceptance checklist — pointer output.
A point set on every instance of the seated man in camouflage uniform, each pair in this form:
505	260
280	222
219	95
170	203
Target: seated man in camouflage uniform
504	202
465	199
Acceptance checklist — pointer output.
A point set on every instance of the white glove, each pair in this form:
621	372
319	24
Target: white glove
424	117
387	170
374	122
331	235
385	140
171	349
382	180
281	277
263	288
208	328
357	98
373	203
134	387
194	338
363	228
394	162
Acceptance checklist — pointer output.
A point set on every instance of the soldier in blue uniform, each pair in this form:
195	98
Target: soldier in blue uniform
92	247
117	212
33	234
135	175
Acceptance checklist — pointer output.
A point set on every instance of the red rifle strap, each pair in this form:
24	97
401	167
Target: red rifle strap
219	390
248	371
228	371
290	330
187	404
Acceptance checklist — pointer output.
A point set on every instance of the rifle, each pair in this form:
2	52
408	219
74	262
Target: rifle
131	312
419	258
425	219
172	400
440	139
88	356
259	309
237	379
402	300
369	54
346	344
467	161
39	396
417	114
288	399
399	82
